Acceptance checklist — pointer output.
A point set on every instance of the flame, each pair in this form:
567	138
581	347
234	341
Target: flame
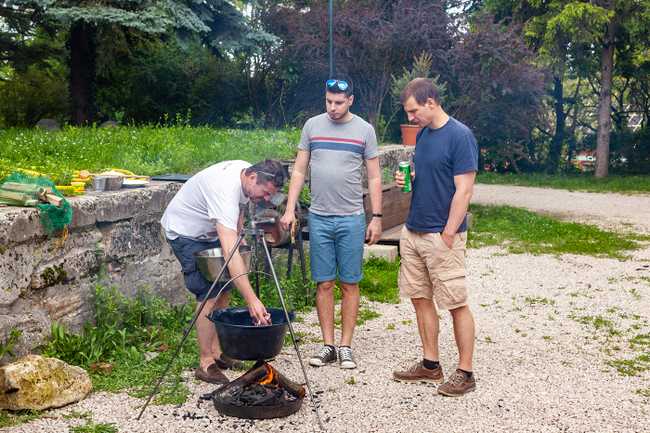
270	378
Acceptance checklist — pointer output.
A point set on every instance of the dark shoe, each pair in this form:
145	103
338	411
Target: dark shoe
346	359
457	385
212	375
417	373
224	362
326	355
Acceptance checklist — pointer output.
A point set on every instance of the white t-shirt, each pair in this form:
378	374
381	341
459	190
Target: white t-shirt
211	196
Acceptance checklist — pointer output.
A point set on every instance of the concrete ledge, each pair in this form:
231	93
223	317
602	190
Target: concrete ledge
386	252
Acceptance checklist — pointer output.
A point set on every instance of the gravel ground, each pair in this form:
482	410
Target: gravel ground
541	360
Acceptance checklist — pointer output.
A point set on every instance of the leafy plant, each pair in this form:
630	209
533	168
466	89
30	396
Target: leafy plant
7	347
421	69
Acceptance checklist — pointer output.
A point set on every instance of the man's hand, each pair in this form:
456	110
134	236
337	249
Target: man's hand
399	178
287	219
373	233
258	312
448	239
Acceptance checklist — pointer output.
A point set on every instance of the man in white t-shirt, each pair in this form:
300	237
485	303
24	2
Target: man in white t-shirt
207	212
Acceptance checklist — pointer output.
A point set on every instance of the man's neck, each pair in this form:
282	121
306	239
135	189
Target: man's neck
439	120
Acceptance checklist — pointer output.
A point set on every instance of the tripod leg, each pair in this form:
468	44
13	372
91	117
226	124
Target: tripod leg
293	335
189	328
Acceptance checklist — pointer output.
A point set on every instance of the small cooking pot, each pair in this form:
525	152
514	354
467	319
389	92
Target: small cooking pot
241	339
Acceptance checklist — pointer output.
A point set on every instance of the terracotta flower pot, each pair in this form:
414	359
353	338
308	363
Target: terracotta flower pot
409	134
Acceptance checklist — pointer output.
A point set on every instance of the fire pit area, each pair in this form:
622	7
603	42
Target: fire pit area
260	393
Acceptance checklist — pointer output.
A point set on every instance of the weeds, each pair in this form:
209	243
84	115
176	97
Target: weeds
91	427
7	347
9	419
379	281
125	330
522	231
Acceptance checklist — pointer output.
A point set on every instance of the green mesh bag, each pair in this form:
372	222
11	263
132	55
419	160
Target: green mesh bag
53	218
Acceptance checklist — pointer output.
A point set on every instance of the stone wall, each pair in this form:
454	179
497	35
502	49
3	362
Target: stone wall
115	235
114	239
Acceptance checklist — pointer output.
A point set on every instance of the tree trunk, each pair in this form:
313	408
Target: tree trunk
605	103
82	72
560	119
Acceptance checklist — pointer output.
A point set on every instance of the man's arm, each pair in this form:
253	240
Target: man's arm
459	203
295	186
374	189
228	239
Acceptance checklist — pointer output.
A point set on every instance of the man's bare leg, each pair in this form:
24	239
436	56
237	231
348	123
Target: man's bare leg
209	348
325	309
428	326
464	335
349	312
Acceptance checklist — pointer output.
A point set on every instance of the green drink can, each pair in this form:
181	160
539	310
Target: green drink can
405	167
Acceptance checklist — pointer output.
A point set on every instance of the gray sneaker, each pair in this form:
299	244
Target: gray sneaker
326	355
345	358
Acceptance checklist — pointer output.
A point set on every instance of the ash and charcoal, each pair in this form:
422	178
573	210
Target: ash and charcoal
256	395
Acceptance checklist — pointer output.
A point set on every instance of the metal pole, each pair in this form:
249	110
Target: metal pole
330	10
189	328
293	336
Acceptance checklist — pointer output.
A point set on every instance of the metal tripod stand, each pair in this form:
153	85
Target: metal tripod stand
259	236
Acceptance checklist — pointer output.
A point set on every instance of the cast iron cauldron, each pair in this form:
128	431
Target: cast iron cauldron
240	339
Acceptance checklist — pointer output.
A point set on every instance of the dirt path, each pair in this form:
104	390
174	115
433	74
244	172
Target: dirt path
607	210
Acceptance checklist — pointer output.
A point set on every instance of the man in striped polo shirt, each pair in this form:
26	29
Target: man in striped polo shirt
335	146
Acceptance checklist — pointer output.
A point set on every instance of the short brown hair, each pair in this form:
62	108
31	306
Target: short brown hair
269	170
421	89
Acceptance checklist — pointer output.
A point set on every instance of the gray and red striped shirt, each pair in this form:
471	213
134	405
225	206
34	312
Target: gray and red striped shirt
337	153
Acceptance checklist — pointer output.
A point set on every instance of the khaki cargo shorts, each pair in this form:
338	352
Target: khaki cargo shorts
429	269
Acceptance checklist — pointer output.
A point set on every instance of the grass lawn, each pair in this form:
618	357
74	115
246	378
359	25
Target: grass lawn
587	182
522	231
144	150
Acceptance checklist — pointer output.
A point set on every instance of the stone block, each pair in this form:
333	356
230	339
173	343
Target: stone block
386	252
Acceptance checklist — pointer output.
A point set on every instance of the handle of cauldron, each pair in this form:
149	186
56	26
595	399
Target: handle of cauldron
293	337
189	328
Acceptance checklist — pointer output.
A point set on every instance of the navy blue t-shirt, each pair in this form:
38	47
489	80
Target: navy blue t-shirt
440	154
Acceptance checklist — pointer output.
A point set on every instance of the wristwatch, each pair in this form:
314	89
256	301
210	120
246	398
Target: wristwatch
377	215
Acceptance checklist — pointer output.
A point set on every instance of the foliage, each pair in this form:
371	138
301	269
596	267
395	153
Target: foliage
7	346
33	94
91	427
379	281
373	39
493	72
135	337
521	231
422	65
9	419
146	150
626	184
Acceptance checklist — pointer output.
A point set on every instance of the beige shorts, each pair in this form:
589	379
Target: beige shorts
429	269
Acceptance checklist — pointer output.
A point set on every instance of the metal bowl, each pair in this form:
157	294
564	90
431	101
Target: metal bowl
212	260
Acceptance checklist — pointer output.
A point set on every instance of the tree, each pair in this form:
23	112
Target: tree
373	39
496	89
220	23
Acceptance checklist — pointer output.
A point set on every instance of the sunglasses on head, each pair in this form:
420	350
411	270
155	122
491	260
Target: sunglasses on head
342	85
277	178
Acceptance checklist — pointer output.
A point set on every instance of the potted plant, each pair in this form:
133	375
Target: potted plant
421	69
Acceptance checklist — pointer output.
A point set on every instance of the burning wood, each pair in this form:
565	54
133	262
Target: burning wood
261	386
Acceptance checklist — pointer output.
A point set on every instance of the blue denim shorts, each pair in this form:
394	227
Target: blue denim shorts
195	282
336	244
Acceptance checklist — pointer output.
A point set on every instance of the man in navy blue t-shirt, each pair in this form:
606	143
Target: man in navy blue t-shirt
432	243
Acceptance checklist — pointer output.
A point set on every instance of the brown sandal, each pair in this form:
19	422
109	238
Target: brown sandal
212	375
